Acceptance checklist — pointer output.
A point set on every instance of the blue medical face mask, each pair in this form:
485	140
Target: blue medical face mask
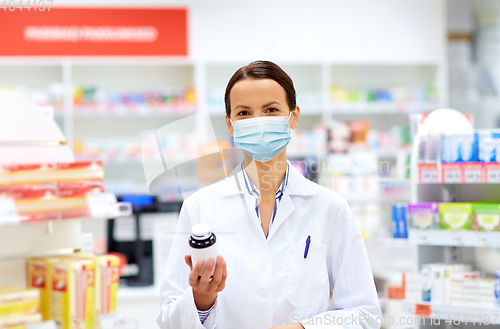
262	138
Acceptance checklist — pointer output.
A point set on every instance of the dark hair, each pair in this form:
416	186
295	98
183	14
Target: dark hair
262	70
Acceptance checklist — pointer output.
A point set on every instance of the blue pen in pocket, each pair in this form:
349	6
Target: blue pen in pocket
308	242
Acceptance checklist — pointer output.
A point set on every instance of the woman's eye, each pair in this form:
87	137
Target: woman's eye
242	113
272	109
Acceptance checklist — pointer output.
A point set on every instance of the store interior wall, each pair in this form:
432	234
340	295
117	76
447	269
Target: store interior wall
446	40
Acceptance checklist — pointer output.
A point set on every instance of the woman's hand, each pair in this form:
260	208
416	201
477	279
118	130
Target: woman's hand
289	326
205	289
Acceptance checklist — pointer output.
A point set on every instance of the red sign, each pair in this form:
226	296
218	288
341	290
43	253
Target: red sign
93	32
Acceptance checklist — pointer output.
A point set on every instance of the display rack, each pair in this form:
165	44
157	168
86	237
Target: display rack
444	245
33	138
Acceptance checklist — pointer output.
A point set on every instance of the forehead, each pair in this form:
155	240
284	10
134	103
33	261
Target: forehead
256	91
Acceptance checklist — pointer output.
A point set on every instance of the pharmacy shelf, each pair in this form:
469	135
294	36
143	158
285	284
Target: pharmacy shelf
380	199
348	109
220	110
132	115
39	239
454	238
457	313
380	108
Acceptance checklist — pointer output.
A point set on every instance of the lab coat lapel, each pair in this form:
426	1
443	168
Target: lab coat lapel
298	186
239	204
285	210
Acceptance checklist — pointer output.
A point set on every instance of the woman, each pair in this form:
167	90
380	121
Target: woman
284	241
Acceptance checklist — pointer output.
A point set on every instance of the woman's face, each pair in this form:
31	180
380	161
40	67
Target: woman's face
251	98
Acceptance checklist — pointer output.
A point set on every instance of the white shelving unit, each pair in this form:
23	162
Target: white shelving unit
450	246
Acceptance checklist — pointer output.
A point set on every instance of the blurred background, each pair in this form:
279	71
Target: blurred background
366	72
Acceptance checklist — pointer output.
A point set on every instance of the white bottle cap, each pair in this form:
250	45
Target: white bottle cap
201	231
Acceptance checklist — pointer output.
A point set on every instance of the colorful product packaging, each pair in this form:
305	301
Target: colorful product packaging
450	148
455	216
19	321
488	144
72	295
399	221
14	300
423	215
51	191
107	278
39	277
486	217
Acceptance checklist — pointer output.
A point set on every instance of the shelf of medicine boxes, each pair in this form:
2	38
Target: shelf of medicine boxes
349	109
313	83
463	192
457	313
458	192
41	238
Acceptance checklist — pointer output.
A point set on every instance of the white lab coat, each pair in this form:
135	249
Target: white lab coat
269	282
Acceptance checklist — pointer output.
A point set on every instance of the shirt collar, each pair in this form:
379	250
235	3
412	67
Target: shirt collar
252	189
296	183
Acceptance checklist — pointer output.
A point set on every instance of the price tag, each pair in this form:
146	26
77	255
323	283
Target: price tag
87	243
452	172
423	238
493	176
102	205
452	176
113	320
423	310
428	173
457	239
43	325
8	212
429	176
483	239
472	176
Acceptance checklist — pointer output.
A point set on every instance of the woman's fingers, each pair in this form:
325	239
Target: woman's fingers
217	278
195	272
207	273
207	282
187	259
222	284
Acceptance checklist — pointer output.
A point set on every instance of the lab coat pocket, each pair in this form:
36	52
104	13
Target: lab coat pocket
307	277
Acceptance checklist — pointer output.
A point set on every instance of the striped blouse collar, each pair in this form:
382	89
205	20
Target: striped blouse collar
252	189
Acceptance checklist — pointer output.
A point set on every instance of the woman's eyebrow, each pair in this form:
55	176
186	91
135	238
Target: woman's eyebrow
242	106
270	103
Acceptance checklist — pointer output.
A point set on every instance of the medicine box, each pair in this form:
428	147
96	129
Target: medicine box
486	216
455	216
423	215
459	148
18	301
19	321
72	293
107	278
39	278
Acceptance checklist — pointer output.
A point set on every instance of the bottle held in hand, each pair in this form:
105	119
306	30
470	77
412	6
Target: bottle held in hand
203	245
